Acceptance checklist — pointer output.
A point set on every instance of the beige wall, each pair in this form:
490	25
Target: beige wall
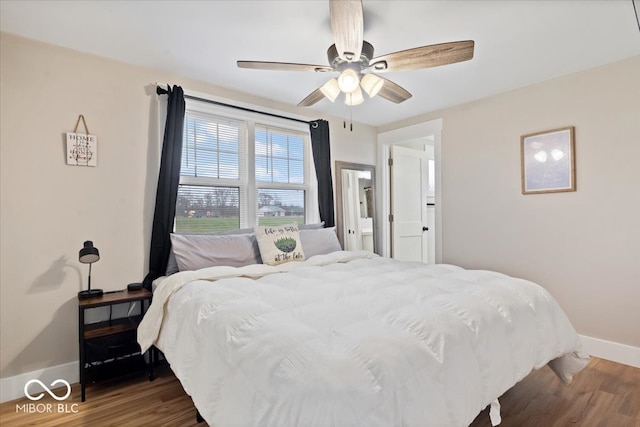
583	246
48	208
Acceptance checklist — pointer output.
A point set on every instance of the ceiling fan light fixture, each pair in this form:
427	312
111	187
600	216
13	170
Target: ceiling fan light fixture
353	58
348	81
330	90
354	98
371	84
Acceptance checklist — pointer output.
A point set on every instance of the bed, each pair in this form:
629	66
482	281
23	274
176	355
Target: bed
354	339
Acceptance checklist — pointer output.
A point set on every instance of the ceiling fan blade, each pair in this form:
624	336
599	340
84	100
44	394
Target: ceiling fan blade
424	57
347	25
393	92
282	66
312	98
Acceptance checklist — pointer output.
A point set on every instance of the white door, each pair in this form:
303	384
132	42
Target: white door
409	173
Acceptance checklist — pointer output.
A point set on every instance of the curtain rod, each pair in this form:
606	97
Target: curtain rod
163	91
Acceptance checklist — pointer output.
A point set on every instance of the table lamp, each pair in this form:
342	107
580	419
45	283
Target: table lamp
88	255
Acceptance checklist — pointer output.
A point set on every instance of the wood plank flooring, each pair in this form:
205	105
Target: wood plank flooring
605	394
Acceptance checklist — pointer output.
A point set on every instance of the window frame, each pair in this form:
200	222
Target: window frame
247	183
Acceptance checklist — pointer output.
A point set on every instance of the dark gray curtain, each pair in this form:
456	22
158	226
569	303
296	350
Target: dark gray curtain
322	161
168	179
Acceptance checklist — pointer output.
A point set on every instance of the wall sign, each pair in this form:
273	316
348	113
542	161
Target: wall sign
82	148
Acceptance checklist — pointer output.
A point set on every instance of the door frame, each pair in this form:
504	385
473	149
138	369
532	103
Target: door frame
399	136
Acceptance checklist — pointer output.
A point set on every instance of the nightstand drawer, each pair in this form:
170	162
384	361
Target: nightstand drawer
111	347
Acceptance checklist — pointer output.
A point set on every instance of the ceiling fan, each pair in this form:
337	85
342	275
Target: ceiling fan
353	58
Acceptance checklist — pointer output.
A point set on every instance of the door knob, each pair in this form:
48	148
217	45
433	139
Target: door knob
425	228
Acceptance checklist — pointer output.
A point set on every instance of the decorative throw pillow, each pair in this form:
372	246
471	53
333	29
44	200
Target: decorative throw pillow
279	244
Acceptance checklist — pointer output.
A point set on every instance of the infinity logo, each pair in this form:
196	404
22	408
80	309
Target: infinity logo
47	389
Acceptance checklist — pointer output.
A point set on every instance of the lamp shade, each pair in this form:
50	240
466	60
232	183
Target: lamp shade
354	98
371	84
348	81
89	254
330	89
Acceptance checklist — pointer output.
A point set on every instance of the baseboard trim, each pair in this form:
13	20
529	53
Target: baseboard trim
616	352
12	388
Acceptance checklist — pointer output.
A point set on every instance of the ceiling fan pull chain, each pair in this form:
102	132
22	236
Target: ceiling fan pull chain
344	121
351	119
346	106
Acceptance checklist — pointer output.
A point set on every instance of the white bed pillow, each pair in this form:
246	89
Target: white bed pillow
311	226
319	241
195	251
172	264
279	244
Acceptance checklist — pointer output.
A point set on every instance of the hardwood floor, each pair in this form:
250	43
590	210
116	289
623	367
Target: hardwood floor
605	394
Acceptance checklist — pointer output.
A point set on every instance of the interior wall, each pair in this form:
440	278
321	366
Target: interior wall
583	246
48	208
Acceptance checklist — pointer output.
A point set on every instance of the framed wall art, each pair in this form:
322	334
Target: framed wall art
548	161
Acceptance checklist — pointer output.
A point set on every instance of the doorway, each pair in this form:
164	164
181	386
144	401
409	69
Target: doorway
425	137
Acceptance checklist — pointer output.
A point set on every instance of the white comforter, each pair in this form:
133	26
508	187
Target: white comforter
349	339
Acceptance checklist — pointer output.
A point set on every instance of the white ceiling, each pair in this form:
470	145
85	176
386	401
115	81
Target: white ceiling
517	42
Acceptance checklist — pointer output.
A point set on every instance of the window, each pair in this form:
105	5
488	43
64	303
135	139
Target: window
279	156
279	174
240	171
203	208
211	147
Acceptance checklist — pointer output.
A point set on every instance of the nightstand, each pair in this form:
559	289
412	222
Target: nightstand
110	347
